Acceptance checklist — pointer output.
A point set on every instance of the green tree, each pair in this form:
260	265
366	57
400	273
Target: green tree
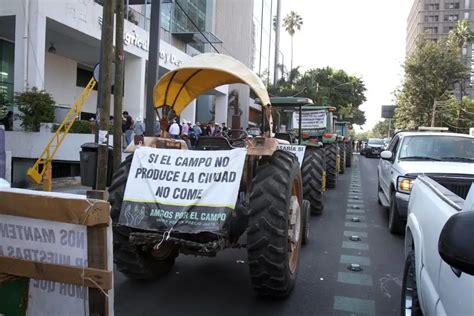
430	74
292	22
326	86
4	104
381	129
35	106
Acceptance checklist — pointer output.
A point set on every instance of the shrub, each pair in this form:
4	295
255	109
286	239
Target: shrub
79	127
35	106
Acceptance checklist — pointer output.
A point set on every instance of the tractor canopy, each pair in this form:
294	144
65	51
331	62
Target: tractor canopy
200	74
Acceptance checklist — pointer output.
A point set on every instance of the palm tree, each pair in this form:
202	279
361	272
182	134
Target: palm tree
461	34
292	22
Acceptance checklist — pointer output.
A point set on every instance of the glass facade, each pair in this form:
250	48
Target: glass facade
264	37
7	54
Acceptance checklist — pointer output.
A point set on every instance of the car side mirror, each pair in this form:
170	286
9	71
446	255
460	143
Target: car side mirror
456	242
386	155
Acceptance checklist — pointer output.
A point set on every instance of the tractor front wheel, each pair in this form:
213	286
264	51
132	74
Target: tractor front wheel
274	234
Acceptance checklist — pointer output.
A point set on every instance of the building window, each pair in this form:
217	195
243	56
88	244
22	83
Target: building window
451	5
431	18
7	55
431	30
432	6
447	29
451	17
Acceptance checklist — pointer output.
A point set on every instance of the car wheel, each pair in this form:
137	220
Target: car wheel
410	304
395	222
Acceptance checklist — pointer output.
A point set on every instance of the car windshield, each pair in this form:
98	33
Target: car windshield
375	141
442	148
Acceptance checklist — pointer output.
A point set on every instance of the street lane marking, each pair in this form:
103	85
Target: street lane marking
354	278
361	217
355	245
349	233
354	305
363	261
358	225
351	201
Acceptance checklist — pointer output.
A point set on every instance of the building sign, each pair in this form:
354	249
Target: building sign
135	40
182	190
388	111
310	119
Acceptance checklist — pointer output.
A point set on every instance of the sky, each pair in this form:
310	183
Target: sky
365	38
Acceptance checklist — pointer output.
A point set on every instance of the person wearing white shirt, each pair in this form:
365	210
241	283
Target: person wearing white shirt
174	130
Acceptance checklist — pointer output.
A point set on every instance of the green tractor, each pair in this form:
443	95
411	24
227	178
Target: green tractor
305	125
345	143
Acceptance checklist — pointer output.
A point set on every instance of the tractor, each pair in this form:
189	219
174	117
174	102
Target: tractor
269	217
290	116
345	143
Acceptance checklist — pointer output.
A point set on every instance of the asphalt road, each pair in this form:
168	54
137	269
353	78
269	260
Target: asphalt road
325	285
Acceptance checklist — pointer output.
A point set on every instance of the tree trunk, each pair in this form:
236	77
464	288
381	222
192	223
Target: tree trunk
291	54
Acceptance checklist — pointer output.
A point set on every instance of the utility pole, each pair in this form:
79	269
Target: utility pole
277	44
153	66
103	95
118	84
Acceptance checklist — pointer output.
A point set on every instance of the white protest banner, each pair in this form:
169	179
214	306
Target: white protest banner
189	191
310	119
298	150
49	242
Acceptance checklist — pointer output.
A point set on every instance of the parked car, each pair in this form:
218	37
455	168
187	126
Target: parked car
439	155
374	147
439	270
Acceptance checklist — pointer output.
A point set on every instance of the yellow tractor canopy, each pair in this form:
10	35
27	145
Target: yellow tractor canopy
200	74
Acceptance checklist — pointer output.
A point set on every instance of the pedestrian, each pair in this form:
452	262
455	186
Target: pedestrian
225	129
174	130
139	131
217	130
128	127
93	125
184	128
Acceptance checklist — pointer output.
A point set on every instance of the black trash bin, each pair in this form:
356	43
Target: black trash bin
88	159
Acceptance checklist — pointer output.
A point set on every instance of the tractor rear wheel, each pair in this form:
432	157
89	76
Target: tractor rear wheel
274	234
331	165
342	155
312	173
348	155
131	260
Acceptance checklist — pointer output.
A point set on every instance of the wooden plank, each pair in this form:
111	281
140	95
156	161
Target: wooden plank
55	272
97	258
72	211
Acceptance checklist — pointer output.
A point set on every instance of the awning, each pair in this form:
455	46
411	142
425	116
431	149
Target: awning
202	73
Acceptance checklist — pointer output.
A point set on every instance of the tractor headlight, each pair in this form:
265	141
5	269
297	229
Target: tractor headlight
405	184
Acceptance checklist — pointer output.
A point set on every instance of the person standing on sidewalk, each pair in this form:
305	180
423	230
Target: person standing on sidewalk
174	130
128	127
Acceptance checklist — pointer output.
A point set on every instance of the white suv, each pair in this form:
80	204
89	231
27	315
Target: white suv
412	153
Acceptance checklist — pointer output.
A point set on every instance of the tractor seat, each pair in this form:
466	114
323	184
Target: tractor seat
213	143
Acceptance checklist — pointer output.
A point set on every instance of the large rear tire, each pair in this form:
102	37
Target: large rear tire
342	159
332	151
133	261
275	229
312	174
349	154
